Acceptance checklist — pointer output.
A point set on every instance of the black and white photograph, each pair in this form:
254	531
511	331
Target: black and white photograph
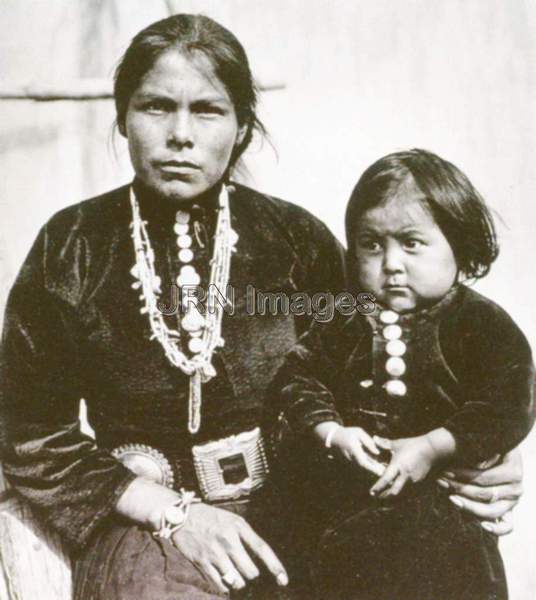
267	297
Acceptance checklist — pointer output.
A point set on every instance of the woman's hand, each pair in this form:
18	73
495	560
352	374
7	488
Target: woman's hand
222	545
490	494
412	459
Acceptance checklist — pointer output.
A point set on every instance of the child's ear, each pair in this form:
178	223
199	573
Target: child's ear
122	128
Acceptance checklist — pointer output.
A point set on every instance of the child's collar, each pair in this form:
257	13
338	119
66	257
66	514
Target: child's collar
422	314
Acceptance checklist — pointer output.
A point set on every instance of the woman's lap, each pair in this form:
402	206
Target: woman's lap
420	547
126	562
412	549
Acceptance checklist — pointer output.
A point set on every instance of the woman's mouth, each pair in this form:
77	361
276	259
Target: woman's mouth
178	167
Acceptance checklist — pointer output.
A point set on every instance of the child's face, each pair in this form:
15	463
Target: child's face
402	255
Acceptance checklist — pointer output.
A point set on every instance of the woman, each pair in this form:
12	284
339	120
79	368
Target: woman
165	396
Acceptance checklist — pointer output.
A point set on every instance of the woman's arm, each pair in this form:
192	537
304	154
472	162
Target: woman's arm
73	484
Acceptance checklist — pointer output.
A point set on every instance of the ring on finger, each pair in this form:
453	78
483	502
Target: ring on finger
229	578
494	495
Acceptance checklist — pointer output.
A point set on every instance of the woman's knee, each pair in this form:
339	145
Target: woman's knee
126	561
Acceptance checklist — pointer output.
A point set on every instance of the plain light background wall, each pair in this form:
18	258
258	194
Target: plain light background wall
362	78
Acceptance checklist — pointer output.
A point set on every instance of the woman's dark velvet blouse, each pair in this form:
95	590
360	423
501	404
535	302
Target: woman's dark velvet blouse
468	369
73	330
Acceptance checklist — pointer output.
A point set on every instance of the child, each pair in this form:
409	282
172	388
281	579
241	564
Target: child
437	374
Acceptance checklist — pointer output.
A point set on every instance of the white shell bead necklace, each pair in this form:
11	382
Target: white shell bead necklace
204	331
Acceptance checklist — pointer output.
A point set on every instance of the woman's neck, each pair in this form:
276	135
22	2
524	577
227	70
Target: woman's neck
146	195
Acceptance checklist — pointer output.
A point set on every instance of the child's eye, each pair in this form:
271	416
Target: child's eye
412	243
370	245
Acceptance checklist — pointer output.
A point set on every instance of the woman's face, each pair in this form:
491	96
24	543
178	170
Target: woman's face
181	127
403	257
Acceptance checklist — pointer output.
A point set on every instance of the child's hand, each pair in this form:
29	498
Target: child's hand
412	458
353	444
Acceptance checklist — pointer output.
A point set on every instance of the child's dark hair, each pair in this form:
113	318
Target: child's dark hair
457	207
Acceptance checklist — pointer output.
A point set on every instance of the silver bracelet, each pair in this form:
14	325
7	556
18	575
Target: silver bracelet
174	516
329	437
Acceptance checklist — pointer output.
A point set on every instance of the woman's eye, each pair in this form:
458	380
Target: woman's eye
156	106
203	108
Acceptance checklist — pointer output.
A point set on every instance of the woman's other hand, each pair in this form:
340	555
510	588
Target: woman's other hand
489	494
223	545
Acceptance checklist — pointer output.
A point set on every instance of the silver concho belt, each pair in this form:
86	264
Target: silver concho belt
232	467
226	469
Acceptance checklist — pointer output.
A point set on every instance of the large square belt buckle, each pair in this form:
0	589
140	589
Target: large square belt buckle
232	467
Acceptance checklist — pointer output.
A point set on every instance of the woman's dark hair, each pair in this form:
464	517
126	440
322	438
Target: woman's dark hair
457	207
191	34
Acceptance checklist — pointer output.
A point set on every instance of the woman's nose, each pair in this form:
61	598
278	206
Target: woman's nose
393	260
180	129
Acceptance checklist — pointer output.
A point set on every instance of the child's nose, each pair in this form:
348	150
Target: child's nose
393	260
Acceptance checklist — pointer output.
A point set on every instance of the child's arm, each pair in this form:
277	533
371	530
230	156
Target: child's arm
305	387
351	443
496	375
497	412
